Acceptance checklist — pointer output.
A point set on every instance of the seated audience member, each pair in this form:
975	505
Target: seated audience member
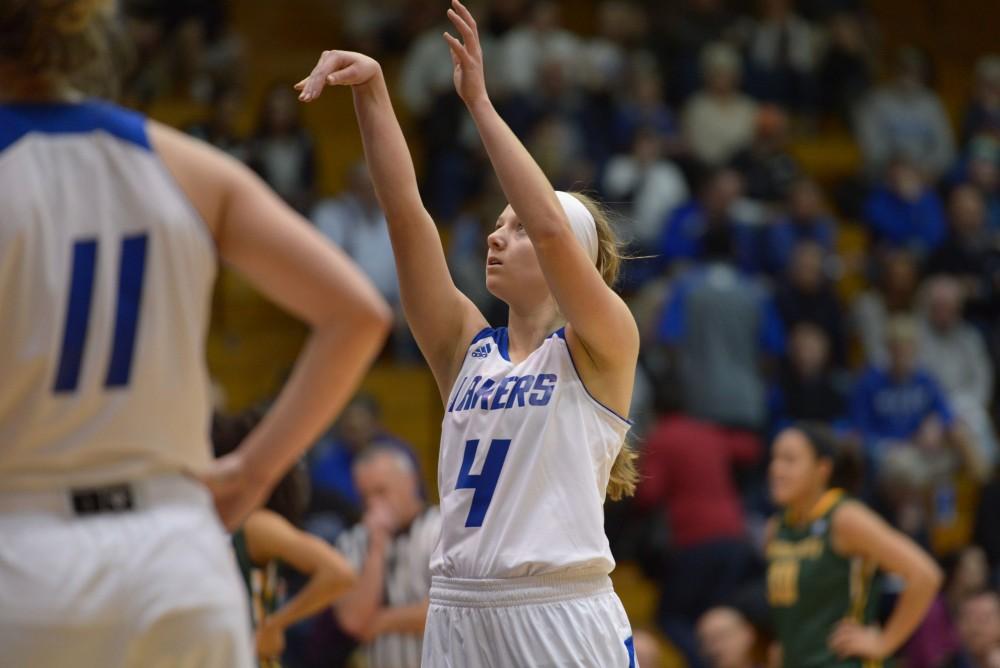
808	389
283	151
726	639
646	186
806	295
768	169
806	220
936	640
718	121
895	294
979	630
953	351
905	212
355	223
716	206
391	550
900	405
905	118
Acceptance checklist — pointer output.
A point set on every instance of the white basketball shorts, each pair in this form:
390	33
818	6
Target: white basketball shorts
549	621
154	586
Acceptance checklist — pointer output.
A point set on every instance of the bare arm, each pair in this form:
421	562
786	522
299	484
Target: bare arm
442	319
290	263
270	537
857	531
404	619
356	611
598	317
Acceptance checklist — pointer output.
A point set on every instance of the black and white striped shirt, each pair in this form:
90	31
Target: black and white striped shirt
407	581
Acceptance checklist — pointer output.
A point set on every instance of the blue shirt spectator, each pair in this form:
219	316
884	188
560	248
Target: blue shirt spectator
892	404
685	230
905	212
806	221
892	408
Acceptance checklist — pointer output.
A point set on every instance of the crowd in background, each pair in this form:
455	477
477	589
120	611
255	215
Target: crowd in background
680	116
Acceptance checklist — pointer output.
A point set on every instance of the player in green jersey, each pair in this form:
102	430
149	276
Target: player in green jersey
823	553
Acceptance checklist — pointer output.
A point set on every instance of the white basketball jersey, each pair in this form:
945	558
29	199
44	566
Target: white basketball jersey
526	453
106	274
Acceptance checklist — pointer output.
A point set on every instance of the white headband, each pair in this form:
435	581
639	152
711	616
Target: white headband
581	222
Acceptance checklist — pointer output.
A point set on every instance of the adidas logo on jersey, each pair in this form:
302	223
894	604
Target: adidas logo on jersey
482	351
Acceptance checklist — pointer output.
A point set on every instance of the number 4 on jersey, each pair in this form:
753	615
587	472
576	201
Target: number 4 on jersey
485	482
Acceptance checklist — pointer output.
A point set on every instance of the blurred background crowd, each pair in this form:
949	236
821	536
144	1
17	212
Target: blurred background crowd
809	190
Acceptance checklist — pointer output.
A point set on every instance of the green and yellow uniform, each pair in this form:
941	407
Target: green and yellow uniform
261	586
811	588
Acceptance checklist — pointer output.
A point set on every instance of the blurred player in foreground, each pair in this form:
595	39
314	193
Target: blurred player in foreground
112	227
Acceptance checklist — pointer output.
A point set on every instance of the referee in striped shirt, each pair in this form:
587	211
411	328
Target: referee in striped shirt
391	550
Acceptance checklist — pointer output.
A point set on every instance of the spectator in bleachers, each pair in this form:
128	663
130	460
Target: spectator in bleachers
645	186
689	26
716	206
722	326
726	639
358	428
805	219
987	526
687	470
968	253
283	150
979	629
718	120
783	51
559	148
538	41
936	640
220	128
606	55
846	69
808	387
767	167
895	294
806	295
900	405
905	211
644	107
982	170
905	118
357	225
982	117
391	550
448	136
954	353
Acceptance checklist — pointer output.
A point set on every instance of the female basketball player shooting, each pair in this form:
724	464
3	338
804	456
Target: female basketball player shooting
112	226
533	436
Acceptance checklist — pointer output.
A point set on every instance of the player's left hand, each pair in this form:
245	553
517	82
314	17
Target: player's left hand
850	639
467	55
270	640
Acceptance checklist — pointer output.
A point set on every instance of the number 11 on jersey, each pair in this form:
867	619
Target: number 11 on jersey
484	482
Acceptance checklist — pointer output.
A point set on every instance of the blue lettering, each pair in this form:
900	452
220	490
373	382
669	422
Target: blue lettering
545	384
457	392
483	393
522	385
470	395
501	391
